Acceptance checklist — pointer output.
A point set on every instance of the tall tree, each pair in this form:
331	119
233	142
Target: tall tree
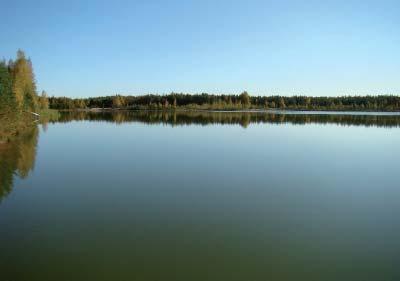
282	103
245	99
117	102
24	87
44	101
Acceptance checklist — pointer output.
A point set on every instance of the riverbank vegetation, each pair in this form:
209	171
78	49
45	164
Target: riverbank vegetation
18	87
244	101
19	97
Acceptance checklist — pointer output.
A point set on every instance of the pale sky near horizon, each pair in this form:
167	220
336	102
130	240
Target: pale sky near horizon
96	48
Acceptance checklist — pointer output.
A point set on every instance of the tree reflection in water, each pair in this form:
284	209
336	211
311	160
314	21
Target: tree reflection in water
19	134
244	119
18	142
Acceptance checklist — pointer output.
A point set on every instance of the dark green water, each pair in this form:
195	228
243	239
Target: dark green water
202	196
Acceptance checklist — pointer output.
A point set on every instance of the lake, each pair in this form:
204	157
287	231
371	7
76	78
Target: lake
202	196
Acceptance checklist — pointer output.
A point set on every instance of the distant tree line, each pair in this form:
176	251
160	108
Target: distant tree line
231	102
18	87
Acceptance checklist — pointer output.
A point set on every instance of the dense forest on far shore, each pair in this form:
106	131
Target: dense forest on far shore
18	94
231	102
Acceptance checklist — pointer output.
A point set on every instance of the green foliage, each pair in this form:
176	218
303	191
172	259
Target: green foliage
232	102
245	99
24	86
117	101
282	103
43	101
7	100
18	87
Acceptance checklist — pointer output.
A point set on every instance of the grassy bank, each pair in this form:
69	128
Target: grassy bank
48	115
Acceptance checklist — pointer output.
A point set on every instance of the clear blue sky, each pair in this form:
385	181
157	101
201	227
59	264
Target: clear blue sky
93	48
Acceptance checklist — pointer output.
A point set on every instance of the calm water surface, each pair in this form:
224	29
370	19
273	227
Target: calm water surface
202	196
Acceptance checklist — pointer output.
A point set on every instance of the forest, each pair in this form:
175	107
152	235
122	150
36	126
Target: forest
18	87
19	98
243	101
18	93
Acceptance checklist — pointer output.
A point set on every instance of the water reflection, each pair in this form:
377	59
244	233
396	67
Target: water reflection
141	202
19	134
243	119
18	142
